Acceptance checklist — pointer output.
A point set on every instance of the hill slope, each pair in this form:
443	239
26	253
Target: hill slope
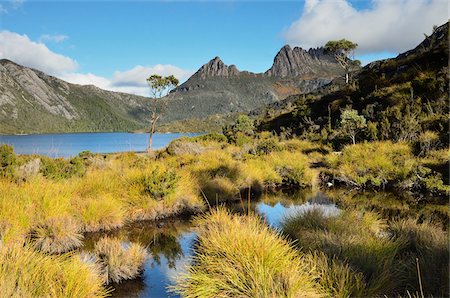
400	98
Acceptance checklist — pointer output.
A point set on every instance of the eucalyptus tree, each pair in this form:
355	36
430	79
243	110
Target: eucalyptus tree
160	86
343	49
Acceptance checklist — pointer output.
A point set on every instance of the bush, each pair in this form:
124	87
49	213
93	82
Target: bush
159	183
266	146
7	160
239	256
60	168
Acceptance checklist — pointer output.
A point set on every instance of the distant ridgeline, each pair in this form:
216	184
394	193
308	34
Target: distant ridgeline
400	98
33	102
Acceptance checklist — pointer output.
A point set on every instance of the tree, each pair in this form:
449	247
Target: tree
352	123
159	87
342	49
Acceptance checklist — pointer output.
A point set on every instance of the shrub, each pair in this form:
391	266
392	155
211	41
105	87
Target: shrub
60	168
119	261
239	256
266	146
159	183
7	160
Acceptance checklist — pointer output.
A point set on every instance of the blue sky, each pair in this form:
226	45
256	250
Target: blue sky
112	43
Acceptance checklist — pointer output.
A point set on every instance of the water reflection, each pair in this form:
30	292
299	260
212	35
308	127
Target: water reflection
275	213
170	242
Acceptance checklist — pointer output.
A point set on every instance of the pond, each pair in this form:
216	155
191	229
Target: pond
170	242
70	144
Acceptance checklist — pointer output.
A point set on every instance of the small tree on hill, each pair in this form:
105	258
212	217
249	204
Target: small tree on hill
342	50
352	123
159	87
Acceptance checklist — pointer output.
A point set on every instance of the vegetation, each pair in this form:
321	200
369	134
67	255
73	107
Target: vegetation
25	272
239	256
159	87
119	261
342	49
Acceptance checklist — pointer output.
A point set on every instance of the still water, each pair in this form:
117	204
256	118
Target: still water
170	242
70	144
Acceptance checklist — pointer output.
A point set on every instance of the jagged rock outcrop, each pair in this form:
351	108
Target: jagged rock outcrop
216	68
295	62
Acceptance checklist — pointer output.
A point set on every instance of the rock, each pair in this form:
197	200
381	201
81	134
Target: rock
297	62
29	170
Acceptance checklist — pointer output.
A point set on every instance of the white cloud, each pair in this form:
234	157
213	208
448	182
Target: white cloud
388	25
17	3
22	50
55	38
136	77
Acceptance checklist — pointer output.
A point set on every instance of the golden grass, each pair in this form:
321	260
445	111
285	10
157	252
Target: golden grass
239	256
25	272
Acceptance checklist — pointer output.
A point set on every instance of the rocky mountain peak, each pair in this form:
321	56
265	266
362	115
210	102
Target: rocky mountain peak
294	62
216	68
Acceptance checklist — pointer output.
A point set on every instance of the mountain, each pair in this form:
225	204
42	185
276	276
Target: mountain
34	102
217	88
401	98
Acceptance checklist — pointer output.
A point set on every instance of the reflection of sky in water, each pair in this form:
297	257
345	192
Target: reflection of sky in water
275	214
158	276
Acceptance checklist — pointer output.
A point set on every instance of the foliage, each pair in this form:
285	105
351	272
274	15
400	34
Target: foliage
60	168
239	132
342	49
352	123
7	160
159	183
159	85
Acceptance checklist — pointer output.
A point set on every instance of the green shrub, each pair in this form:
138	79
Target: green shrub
60	168
7	160
159	183
266	146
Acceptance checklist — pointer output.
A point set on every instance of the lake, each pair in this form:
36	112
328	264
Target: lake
70	144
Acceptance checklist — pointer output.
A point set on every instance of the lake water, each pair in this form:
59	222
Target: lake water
170	242
70	144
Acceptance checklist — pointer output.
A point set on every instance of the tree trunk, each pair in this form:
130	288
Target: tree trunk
353	137
346	78
152	131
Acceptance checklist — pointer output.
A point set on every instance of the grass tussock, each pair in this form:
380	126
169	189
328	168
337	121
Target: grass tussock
25	272
380	258
57	235
376	164
239	256
119	261
352	237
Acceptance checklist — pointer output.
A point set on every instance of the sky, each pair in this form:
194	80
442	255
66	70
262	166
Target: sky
115	45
